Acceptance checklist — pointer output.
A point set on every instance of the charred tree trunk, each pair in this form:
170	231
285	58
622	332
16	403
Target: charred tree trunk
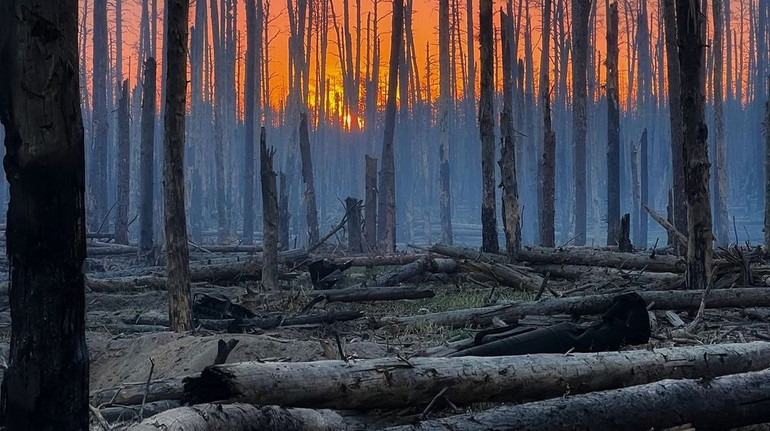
269	214
177	252
675	116
645	192
443	122
720	179
767	170
580	12
547	171
307	177
98	156
699	236
283	212
613	128
353	211
387	228
249	107
124	168
511	212
487	129
46	382
146	162
370	203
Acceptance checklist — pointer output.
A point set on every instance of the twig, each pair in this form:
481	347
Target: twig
433	402
146	390
99	418
106	216
542	285
569	241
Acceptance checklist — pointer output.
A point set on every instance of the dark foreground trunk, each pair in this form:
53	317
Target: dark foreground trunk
46	383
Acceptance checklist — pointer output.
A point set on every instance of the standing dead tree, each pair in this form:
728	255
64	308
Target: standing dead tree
613	127
699	236
370	203
97	175
252	32
146	157
175	219
124	168
307	177
443	122
45	386
767	169
269	214
547	170
511	212
720	179
387	218
487	130
580	12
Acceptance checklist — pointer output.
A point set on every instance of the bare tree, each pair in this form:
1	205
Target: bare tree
177	252
580	12
98	159
613	127
387	228
511	214
249	107
547	175
699	236
307	177
720	179
443	122
124	169
269	214
146	158
45	386
487	130
767	169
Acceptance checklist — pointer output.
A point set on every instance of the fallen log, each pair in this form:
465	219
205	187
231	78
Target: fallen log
667	280
236	417
590	304
132	393
505	274
131	413
574	256
279	320
361	294
396	382
369	260
411	270
722	403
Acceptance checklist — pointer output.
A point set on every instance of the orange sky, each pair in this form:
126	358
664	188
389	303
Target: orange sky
425	22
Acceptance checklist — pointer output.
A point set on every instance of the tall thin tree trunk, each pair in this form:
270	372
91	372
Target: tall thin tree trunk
370	203
487	130
675	116
691	46
98	157
177	252
284	218
767	170
45	386
613	128
443	122
387	218
249	105
124	169
645	192
580	13
721	228
511	212
269	214
307	177
547	178
146	158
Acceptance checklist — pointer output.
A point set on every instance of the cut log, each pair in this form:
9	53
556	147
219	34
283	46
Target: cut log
395	383
591	304
244	417
132	393
505	274
660	405
411	270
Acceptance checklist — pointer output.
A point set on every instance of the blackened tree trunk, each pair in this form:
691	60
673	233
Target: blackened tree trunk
98	157
146	157
675	117
353	210
124	169
307	177
645	183
387	228
511	212
547	169
487	130
269	214
699	236
721	227
177	252
46	382
767	170
613	128
248	109
580	12
284	217
443	122
370	203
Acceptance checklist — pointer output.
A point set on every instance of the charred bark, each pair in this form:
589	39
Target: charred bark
269	214
370	204
443	122
487	130
307	177
124	168
547	171
146	157
580	12
613	128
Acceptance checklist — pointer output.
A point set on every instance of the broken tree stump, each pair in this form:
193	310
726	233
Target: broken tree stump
391	383
353	209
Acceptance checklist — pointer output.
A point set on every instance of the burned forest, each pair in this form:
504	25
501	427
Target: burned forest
320	215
